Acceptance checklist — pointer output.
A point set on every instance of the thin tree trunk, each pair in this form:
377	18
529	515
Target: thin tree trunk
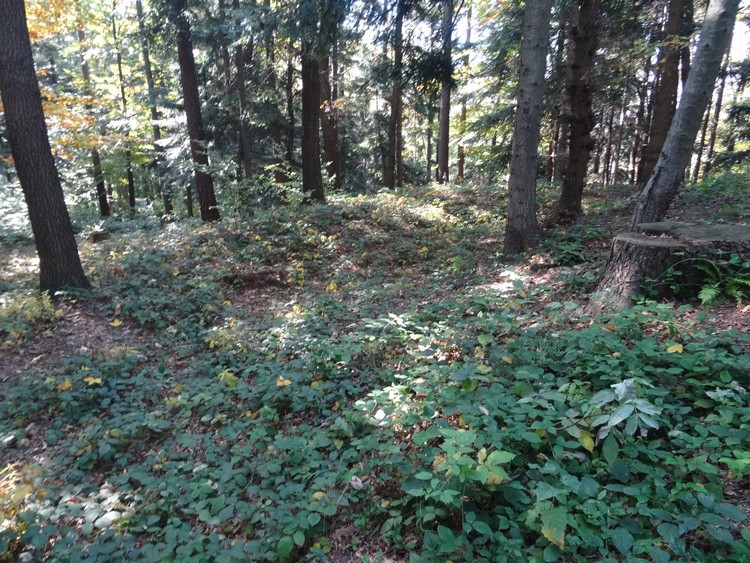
246	141
521	225
96	160
165	195
124	101
461	165
716	36
290	104
329	127
665	95
715	119
702	143
446	33
396	101
580	91
225	60
204	183
59	263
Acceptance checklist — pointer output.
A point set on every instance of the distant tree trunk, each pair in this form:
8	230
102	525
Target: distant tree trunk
702	143
446	34
521	226
225	61
290	104
204	183
715	119
461	165
665	96
246	141
686	30
312	180
561	127
640	130
124	102
392	155
165	195
96	159
716	35
59	263
430	126
329	125
580	91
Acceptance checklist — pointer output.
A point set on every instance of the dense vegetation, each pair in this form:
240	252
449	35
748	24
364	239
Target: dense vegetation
364	380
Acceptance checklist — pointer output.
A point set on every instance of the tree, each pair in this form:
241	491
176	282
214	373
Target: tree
59	263
521	226
716	35
312	179
446	35
579	91
188	78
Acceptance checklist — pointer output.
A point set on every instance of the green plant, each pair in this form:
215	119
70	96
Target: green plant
21	315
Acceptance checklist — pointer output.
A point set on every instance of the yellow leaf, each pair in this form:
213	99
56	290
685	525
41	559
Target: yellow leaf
494	478
586	441
318	495
676	349
175	272
66	385
281	382
550	535
93	380
229	378
508	359
482	455
116	322
331	287
479	353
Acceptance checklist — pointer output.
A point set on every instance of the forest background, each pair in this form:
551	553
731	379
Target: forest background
363	346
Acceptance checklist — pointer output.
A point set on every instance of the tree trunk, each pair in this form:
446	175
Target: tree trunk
716	35
715	120
165	195
392	155
204	184
702	143
59	264
461	165
665	96
446	33
329	127
124	102
312	180
96	159
290	104
521	226
246	141
580	92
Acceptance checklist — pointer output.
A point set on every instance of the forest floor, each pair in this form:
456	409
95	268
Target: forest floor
370	380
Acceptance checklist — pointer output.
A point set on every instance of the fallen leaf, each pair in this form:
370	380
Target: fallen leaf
676	349
281	382
116	322
93	380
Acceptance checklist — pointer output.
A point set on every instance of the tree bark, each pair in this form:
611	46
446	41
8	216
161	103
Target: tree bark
124	102
331	152
461	152
156	130
521	226
96	159
59	263
392	155
312	179
443	153
665	96
716	36
246	141
580	91
204	184
715	120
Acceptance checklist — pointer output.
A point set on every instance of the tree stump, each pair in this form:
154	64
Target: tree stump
644	258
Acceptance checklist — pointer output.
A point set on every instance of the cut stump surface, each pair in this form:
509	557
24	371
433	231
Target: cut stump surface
644	258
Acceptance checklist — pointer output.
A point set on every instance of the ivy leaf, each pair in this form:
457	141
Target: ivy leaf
622	540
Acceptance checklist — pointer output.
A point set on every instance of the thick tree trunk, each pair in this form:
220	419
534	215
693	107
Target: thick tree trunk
204	183
59	264
665	96
165	194
312	179
446	34
521	226
580	91
716	35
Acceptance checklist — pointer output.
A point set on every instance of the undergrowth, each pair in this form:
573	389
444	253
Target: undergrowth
365	366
